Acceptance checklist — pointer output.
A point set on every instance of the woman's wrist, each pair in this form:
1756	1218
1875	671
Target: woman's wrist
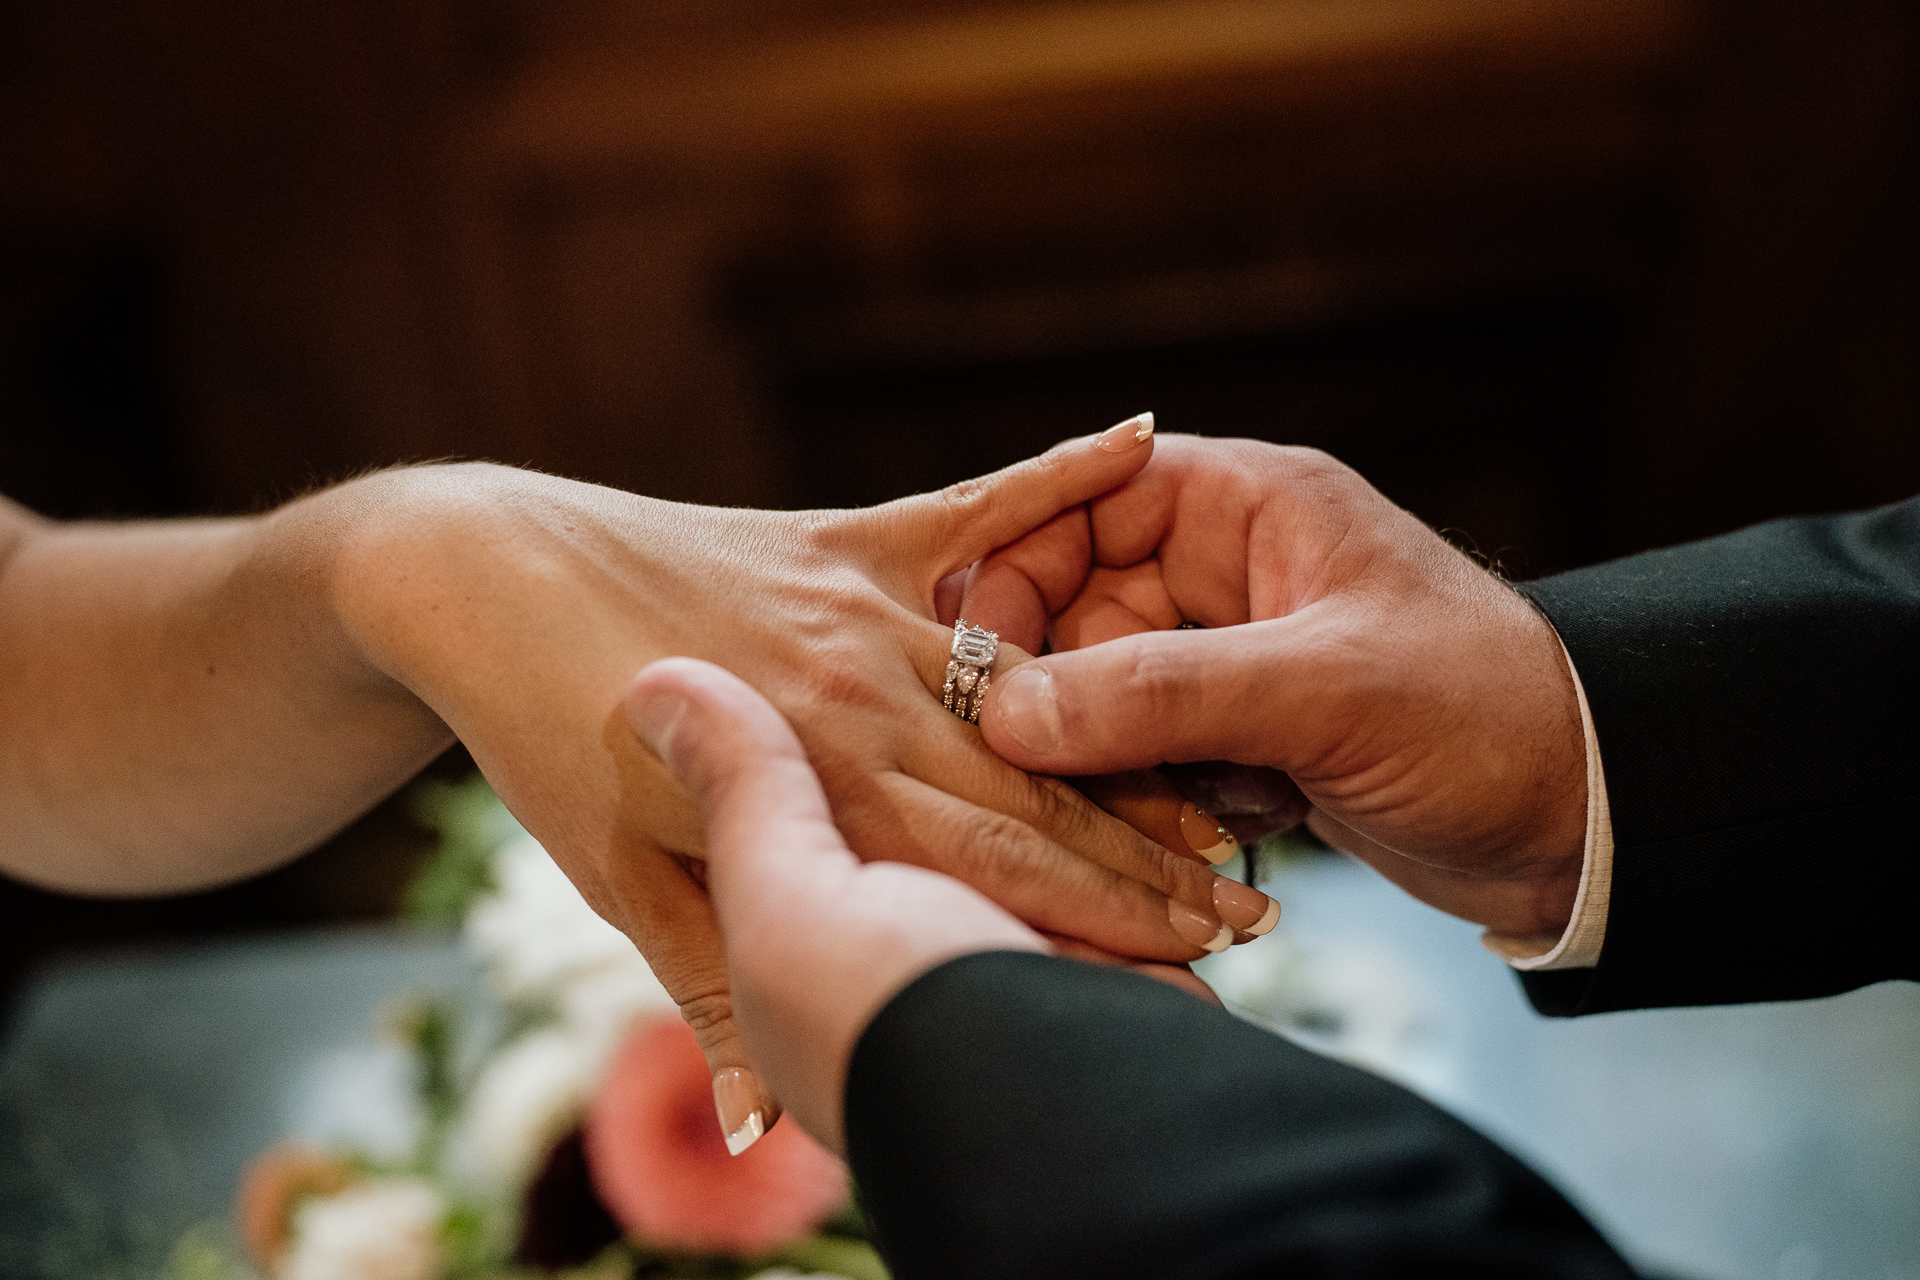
516	607
425	567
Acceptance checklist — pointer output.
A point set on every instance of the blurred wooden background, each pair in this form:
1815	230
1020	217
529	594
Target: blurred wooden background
1573	277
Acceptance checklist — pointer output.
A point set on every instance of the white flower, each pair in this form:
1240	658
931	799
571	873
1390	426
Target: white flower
601	1005
540	939
535	931
526	1098
385	1230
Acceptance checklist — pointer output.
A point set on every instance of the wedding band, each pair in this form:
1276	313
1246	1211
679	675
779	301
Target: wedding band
974	649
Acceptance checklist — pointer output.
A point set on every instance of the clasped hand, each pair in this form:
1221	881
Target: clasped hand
1353	668
523	640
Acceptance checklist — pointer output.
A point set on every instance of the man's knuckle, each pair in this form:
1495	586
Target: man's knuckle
1153	687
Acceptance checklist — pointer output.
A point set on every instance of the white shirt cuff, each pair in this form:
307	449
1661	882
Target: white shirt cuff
1579	946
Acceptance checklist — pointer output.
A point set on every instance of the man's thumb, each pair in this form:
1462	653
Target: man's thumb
1153	698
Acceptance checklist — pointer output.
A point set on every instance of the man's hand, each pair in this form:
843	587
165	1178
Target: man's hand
1423	709
816	941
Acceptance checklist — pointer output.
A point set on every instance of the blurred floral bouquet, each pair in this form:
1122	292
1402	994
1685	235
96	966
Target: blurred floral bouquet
566	1117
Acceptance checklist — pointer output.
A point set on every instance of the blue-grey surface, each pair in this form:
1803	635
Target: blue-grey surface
1765	1142
1777	1142
134	1087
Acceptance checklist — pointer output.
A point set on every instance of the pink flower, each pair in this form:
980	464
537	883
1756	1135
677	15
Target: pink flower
658	1160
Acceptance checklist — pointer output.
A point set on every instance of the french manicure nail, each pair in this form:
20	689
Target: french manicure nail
1244	907
1197	928
1205	836
1028	706
736	1097
1125	435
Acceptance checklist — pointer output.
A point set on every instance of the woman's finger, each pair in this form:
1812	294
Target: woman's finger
1174	975
1250	801
659	901
1056	841
1147	801
931	535
1152	906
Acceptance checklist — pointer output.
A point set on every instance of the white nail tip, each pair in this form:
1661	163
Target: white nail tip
1221	940
746	1135
1142	426
1218	853
1264	925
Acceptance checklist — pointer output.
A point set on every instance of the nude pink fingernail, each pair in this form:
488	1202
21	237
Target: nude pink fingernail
1197	928
1205	836
1124	436
1244	907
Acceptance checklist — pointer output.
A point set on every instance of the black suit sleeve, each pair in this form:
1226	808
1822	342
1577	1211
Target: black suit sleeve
1757	702
1013	1115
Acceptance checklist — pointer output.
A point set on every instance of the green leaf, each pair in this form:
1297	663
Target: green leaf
203	1253
472	824
854	1259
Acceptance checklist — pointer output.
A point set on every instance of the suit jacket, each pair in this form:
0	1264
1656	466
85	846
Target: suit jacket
1014	1116
1757	702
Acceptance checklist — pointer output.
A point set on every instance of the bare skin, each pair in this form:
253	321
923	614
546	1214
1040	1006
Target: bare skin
1358	670
817	942
188	703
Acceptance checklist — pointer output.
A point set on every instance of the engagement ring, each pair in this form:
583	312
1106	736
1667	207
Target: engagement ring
973	653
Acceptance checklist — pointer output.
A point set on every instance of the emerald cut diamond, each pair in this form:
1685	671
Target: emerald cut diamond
974	646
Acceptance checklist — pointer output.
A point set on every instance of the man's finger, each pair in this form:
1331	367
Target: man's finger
739	760
768	827
1160	696
956	526
1115	603
1018	588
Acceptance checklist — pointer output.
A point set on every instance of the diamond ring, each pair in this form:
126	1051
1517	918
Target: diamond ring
974	649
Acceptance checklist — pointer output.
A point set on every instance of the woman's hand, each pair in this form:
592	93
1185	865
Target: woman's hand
189	702
1423	709
518	607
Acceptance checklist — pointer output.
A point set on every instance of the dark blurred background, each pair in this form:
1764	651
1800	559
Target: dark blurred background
1571	277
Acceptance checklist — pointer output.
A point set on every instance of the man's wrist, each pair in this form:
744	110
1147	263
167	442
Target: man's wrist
1578	944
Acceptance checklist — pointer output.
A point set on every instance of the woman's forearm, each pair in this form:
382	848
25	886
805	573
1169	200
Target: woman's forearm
182	703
